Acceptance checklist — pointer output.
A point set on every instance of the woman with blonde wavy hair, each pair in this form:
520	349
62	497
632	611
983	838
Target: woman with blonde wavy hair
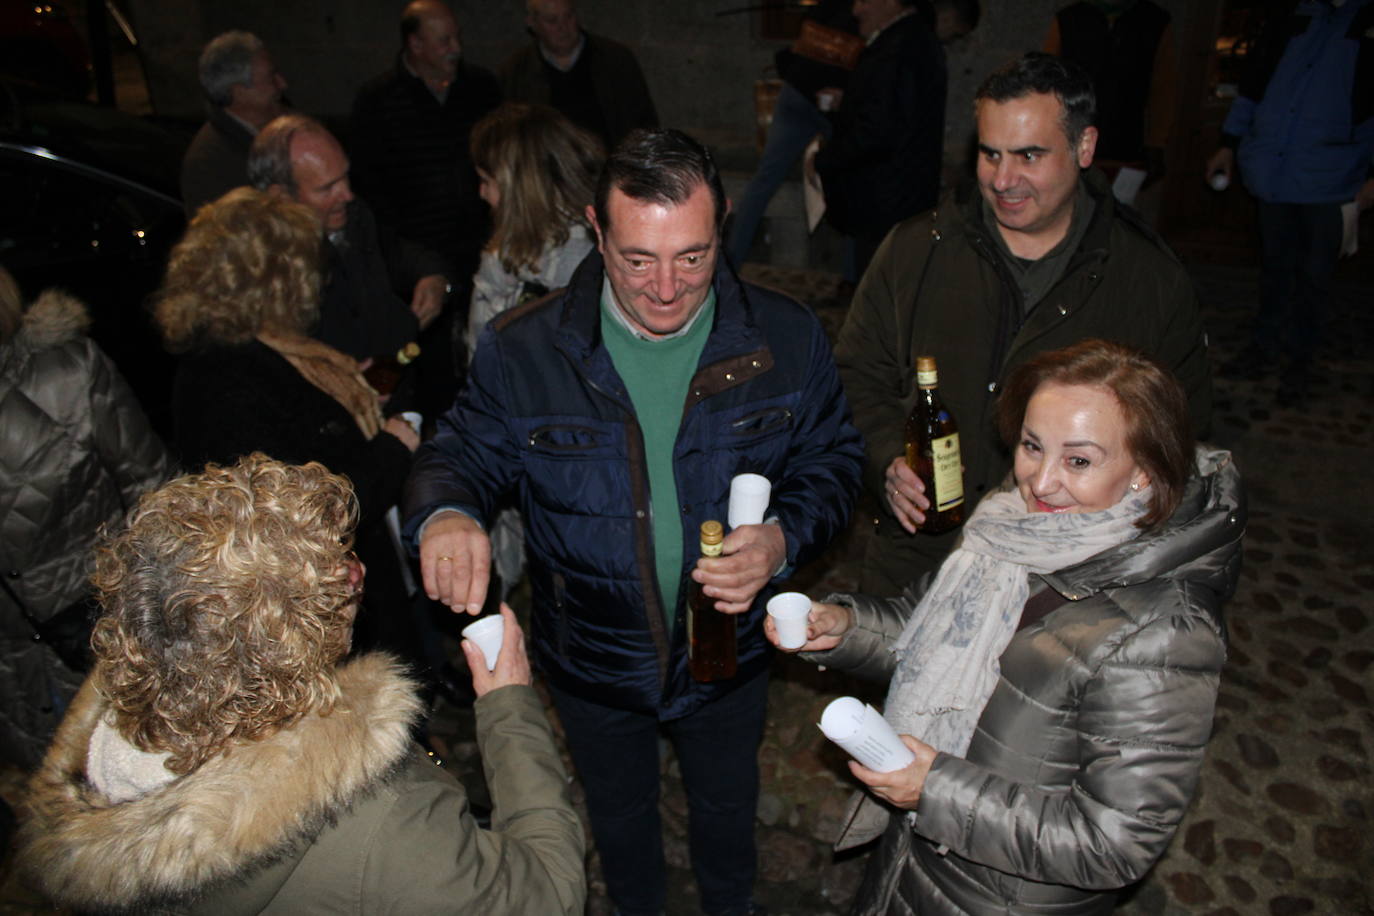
538	174
238	303
222	758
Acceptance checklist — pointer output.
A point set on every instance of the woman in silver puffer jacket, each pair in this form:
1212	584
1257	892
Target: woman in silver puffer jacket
1056	683
76	451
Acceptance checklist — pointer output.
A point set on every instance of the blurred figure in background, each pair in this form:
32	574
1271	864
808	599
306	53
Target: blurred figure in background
883	163
593	81
244	91
1302	133
224	758
409	140
75	453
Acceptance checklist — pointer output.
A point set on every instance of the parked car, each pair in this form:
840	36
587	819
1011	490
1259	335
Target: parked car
89	204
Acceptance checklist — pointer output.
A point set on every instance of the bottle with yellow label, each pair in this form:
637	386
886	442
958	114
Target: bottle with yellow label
932	451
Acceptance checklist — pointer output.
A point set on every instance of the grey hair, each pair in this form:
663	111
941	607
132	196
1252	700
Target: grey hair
269	158
226	62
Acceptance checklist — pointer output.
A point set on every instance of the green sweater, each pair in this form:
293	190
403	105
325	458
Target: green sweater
657	374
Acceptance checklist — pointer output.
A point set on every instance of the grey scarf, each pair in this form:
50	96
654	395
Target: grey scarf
948	652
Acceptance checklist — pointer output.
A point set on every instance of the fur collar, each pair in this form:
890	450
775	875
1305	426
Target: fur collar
54	319
234	813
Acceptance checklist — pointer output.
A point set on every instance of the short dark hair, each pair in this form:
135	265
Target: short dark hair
1159	432
269	158
1046	74
659	165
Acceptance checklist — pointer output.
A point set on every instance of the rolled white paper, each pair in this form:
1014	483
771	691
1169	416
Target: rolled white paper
789	611
748	499
488	633
865	734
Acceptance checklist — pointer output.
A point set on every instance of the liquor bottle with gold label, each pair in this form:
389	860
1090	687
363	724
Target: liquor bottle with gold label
932	451
711	649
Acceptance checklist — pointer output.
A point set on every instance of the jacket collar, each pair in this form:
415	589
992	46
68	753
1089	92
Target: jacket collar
1200	543
734	330
1096	240
234	813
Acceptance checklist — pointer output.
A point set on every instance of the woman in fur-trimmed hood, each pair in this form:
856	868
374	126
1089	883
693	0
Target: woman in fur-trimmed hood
221	760
75	452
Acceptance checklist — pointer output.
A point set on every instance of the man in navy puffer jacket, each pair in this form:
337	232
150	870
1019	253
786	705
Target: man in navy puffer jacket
616	413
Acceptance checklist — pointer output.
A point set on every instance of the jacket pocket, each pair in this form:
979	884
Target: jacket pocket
760	424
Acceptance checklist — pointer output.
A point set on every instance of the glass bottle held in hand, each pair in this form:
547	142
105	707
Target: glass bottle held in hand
385	372
932	451
711	651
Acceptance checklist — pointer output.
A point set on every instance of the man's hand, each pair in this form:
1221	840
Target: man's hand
1223	161
748	558
428	299
900	787
402	430
905	494
455	562
512	665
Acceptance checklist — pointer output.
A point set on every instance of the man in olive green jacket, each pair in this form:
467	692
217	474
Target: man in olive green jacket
1041	258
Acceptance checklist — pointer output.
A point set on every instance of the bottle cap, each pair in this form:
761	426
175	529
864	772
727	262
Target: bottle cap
926	374
408	353
712	532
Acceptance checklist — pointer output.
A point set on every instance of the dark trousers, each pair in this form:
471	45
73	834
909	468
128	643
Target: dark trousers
1300	244
615	753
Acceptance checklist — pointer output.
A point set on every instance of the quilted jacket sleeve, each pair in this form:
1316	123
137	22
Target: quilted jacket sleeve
121	434
1144	717
471	461
816	494
865	650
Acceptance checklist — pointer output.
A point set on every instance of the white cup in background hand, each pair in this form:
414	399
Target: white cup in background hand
488	633
789	611
414	418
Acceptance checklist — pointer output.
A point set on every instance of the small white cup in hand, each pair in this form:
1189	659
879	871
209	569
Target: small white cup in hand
748	499
487	632
414	418
789	611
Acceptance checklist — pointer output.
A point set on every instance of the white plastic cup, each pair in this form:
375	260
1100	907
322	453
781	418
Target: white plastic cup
865	734
487	632
1219	181
748	499
414	418
789	611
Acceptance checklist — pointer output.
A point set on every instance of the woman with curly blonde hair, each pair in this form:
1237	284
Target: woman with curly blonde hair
222	759
239	300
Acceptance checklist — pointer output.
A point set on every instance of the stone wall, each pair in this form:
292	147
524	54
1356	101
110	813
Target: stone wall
700	58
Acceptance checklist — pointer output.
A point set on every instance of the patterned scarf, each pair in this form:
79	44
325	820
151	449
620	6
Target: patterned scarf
334	373
947	654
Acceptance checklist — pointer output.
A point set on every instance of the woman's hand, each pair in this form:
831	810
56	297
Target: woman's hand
512	664
900	787
825	626
402	430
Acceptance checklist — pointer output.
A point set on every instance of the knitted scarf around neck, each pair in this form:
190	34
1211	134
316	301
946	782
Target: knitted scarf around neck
334	373
948	653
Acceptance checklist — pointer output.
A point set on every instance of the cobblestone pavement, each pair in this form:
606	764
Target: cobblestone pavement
1281	824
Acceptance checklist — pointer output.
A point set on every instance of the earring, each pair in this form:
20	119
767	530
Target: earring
1135	486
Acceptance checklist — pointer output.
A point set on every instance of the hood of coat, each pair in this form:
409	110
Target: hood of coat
1200	544
234	813
53	319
